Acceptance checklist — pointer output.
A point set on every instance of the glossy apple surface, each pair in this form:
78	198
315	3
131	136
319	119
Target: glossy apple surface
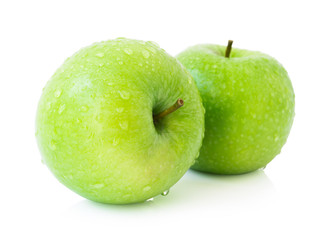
249	103
95	127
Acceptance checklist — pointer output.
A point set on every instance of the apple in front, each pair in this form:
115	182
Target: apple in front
106	123
249	103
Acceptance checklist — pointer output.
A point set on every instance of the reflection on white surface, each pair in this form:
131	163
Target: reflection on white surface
198	187
195	190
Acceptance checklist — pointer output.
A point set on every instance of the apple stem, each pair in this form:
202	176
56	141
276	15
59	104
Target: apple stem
179	103
228	49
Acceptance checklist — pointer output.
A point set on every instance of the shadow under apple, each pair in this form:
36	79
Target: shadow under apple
196	190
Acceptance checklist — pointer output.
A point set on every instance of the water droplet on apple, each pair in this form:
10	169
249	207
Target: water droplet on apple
153	43
146	54
120	63
84	108
276	138
124	94
52	145
101	55
150	199
101	64
98	185
93	95
61	108
123	125
120	109
48	106
99	118
147	188
152	49
126	196
70	177
57	93
115	142
165	193
128	51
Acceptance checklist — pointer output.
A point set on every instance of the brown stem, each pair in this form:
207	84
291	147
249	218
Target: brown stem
179	103
228	49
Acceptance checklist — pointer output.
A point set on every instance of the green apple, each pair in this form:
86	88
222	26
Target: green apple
105	124
249	103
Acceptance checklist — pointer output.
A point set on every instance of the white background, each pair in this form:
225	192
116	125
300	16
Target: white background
288	200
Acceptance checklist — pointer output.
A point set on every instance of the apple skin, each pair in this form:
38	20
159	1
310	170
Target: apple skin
249	103
94	124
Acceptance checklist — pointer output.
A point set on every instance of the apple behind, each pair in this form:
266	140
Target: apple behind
249	103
